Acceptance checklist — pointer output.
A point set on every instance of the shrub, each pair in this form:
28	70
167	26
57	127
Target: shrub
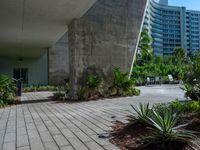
159	67
95	87
192	91
134	91
193	106
62	93
104	88
160	107
2	103
7	90
81	93
93	81
192	79
59	95
178	107
37	88
121	82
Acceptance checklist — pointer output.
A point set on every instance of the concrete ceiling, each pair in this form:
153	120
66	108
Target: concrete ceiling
28	27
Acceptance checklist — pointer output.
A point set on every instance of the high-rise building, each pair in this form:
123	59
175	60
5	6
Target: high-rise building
172	27
165	2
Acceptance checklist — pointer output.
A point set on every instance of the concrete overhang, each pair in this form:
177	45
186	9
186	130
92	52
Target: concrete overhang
29	27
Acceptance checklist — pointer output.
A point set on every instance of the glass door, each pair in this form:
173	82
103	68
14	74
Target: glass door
21	73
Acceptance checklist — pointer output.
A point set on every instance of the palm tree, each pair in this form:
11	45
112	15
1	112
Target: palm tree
179	56
145	50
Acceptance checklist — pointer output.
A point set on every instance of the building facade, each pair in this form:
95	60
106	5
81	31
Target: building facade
192	30
172	27
54	41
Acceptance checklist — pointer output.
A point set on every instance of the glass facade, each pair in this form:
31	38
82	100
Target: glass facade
193	30
172	27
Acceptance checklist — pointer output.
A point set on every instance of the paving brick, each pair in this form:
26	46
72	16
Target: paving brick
22	141
67	133
54	130
77	144
41	128
24	148
51	146
2	132
60	125
33	134
69	147
30	126
48	123
46	137
94	146
21	131
83	137
61	140
9	146
11	129
9	137
36	144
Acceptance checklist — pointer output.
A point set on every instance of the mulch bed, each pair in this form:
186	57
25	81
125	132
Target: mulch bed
130	136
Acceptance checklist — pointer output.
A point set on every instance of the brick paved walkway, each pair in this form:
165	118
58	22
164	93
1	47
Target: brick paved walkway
61	126
36	96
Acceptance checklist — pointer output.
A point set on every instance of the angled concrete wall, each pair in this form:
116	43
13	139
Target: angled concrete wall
58	61
104	38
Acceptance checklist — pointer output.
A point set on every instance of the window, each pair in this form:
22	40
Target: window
21	73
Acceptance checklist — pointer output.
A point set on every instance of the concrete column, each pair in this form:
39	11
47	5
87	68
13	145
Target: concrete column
104	38
58	62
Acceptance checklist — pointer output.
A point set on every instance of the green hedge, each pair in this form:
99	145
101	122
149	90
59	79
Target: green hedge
140	73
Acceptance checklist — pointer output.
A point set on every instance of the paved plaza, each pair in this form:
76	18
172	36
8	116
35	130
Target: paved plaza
36	96
76	126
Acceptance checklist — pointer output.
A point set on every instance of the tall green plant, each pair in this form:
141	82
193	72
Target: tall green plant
7	89
121	80
192	79
93	81
145	50
179	56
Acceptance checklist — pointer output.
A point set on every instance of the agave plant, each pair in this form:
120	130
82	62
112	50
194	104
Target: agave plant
143	112
165	133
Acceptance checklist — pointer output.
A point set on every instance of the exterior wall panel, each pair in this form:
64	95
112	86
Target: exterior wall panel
104	38
58	61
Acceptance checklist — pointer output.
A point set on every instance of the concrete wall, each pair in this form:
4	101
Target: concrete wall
58	57
37	68
104	38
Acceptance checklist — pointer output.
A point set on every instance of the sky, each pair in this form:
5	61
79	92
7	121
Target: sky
190	4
